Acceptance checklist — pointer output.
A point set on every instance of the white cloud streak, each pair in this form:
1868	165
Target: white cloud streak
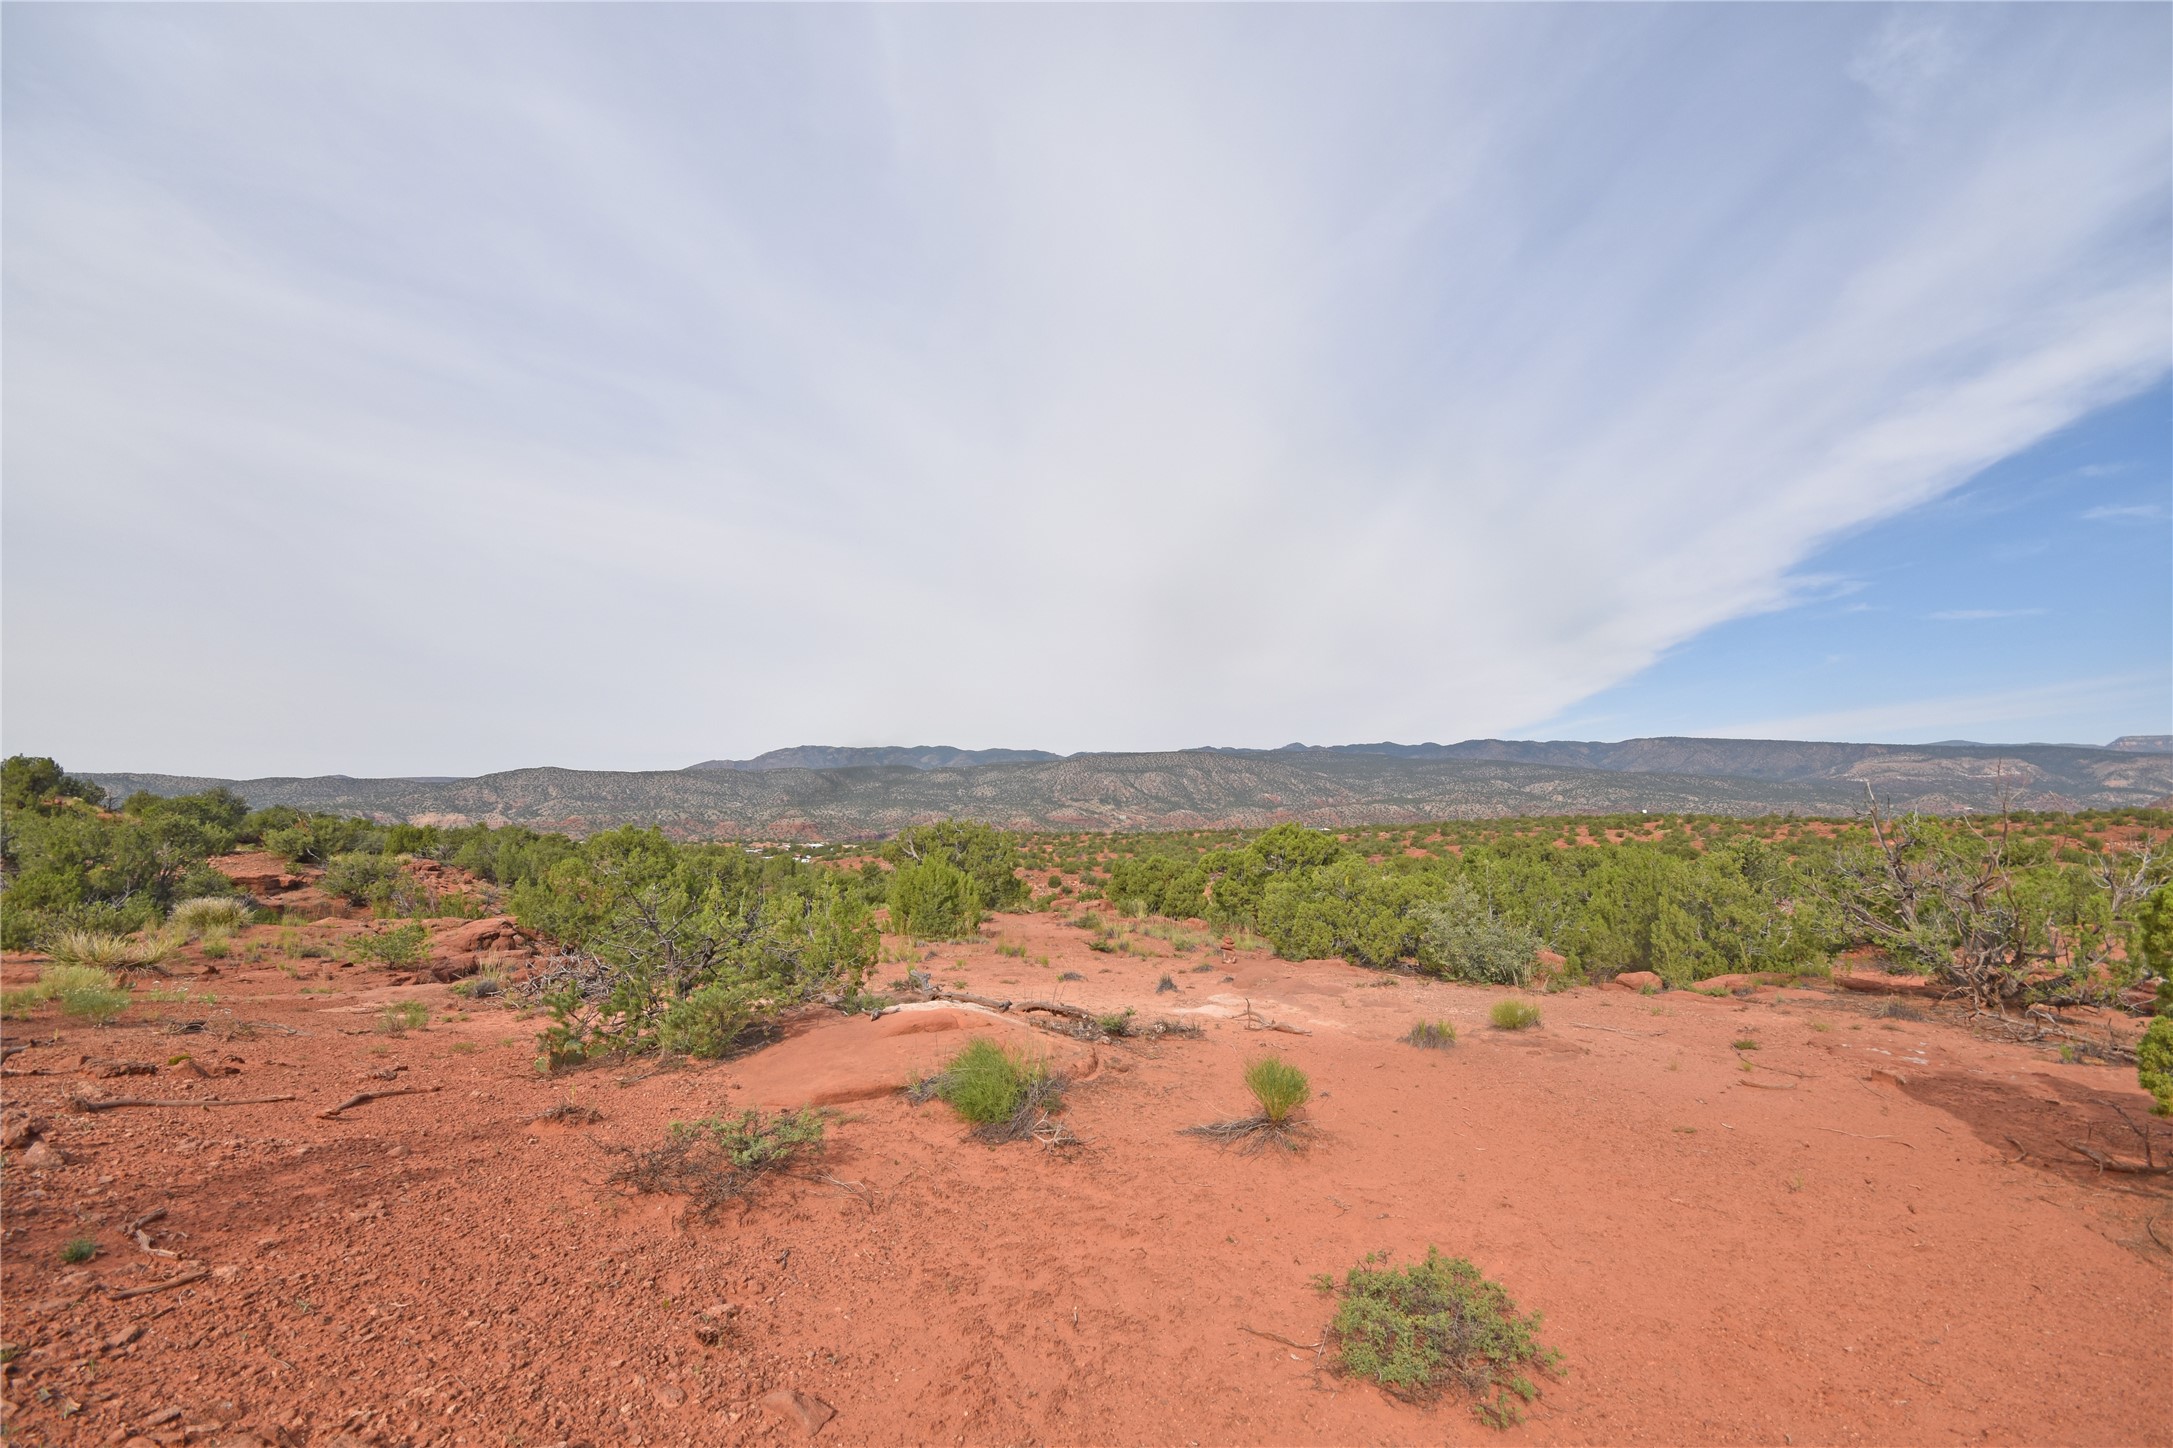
440	390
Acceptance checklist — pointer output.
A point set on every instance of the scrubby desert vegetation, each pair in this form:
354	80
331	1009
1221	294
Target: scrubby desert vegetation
724	1096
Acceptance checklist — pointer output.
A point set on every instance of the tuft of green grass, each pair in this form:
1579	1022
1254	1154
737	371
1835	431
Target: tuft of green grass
400	1017
1433	1035
1006	1094
1434	1325
206	913
984	1082
104	950
79	1249
216	944
1513	1015
1745	1043
1278	1086
82	992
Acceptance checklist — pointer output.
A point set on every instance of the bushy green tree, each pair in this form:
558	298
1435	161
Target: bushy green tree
1346	908
1160	885
36	783
1462	937
934	900
1240	877
989	855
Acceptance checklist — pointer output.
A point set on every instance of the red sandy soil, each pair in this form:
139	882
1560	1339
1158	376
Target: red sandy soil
1877	1234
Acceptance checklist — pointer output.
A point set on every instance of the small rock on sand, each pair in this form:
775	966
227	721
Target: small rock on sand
809	1413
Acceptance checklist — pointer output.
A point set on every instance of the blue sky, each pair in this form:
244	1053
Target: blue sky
441	389
2033	603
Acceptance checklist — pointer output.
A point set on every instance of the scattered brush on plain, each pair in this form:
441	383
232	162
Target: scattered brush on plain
400	1017
1434	1325
1513	1015
719	1159
1279	1089
1431	1035
1006	1095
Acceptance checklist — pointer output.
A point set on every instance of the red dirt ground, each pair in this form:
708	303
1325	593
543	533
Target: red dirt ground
1877	1234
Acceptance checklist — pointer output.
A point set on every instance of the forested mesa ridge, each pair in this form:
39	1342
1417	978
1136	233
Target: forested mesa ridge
1197	789
687	947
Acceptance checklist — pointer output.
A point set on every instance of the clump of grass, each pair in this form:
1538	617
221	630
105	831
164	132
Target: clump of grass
1434	1325
1164	984
1069	975
1279	1089
216	944
1513	1015
718	1159
400	1017
104	950
1746	1043
1893	1008
1432	1035
82	992
1011	948
1116	1023
1005	1094
79	1249
207	913
401	945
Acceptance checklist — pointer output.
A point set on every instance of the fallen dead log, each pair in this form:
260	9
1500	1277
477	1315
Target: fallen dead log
169	1284
114	1103
2114	1163
945	993
363	1098
1056	1008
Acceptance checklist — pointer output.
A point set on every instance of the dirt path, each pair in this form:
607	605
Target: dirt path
1876	1234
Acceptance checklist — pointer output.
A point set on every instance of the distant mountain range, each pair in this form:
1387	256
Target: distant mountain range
910	756
779	796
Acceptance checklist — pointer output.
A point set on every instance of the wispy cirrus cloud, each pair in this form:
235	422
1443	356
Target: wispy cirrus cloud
733	377
2125	513
1973	615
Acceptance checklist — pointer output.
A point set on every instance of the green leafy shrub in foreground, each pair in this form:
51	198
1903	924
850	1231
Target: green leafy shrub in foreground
984	1083
1437	1324
1462	937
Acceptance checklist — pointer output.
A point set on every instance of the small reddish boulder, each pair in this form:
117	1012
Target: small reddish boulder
1644	982
791	1404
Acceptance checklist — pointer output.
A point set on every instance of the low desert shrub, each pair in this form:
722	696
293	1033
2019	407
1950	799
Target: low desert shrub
718	1159
206	913
401	945
400	1017
1279	1089
83	992
1437	1324
1463	938
1513	1015
1278	1086
1432	1035
361	879
79	1249
1005	1094
216	944
709	1022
